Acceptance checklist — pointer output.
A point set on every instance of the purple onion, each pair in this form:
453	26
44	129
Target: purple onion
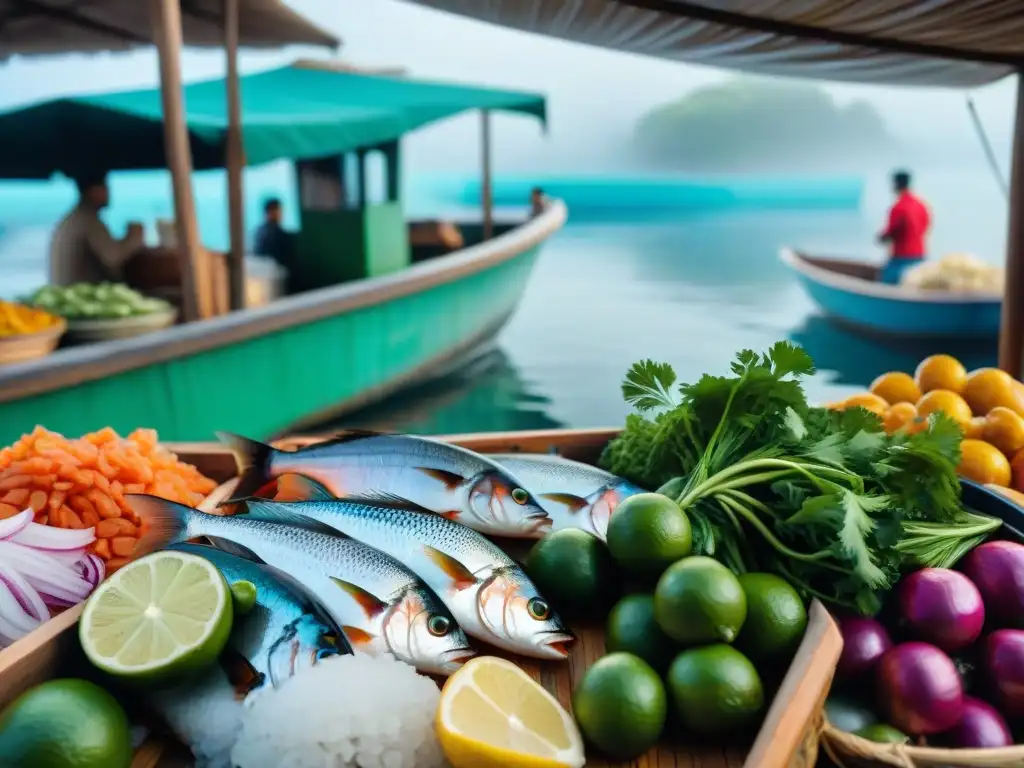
919	689
1003	659
865	641
997	569
980	726
942	607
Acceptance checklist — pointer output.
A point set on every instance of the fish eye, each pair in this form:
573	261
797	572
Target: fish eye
438	626
519	496
538	608
330	638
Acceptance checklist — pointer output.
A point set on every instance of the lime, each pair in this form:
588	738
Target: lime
698	600
776	618
243	594
882	733
573	570
65	724
647	533
165	615
631	628
848	713
620	705
715	690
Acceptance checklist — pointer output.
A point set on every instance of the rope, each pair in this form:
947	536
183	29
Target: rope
989	154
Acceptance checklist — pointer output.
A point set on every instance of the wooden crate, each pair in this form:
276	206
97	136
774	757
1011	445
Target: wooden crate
788	738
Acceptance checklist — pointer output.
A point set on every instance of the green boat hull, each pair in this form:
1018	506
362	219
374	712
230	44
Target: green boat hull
283	372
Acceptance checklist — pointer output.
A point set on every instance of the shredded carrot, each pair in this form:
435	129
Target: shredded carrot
82	483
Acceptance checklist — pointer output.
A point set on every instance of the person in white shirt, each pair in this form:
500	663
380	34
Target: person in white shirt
82	249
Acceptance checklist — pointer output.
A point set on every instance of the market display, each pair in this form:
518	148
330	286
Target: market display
723	508
955	273
21	320
99	301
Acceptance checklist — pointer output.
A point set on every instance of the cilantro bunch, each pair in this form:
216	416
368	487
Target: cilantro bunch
825	499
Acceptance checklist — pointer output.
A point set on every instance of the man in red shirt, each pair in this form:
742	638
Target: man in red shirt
908	224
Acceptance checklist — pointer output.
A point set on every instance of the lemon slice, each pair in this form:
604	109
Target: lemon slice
167	614
494	715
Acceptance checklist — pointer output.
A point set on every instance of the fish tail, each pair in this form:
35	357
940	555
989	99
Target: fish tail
163	522
254	459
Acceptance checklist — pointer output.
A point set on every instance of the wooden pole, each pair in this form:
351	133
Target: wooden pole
1012	324
486	193
235	158
165	17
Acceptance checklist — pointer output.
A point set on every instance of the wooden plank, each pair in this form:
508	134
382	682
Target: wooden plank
235	159
486	191
71	367
1011	335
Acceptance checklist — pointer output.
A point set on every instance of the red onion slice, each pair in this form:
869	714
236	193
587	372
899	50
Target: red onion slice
28	598
59	582
46	537
92	568
14	525
14	622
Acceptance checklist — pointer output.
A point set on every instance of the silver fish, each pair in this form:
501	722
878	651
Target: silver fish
574	494
450	481
286	630
381	605
486	590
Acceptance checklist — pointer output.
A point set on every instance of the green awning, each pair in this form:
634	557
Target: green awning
293	112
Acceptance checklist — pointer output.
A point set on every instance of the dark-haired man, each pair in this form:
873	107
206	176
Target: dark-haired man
905	232
82	249
272	239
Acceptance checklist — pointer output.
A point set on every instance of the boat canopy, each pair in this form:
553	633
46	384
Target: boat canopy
44	27
953	43
295	112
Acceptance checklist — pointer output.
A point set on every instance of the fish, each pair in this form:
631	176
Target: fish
448	480
486	590
574	494
381	605
288	629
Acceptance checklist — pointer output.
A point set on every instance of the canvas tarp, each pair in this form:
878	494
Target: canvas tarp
47	27
914	42
292	112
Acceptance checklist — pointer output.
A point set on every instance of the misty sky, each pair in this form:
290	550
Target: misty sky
593	93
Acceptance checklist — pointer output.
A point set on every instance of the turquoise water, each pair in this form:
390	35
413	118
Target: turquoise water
691	289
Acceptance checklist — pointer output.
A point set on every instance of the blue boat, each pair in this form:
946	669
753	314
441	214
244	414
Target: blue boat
850	294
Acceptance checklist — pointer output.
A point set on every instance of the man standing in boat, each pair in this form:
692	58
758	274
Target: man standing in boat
82	249
272	239
905	233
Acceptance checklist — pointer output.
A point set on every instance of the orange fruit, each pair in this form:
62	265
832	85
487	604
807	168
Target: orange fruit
975	428
1017	471
868	401
984	463
1004	429
941	372
896	387
946	401
988	388
899	416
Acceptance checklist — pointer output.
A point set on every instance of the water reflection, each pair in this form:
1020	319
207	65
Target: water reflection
486	395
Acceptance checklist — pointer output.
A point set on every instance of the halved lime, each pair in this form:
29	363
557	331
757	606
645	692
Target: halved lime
165	615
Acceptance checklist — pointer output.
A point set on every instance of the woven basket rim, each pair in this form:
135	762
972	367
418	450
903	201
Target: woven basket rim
55	330
906	753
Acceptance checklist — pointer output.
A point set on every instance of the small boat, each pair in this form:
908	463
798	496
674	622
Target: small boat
850	294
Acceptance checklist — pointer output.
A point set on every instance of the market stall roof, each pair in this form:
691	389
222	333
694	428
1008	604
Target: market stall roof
912	42
48	27
294	112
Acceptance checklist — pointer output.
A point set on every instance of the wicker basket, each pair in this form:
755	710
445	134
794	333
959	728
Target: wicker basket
18	349
849	751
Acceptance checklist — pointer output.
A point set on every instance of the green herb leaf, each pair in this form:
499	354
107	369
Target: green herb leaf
649	385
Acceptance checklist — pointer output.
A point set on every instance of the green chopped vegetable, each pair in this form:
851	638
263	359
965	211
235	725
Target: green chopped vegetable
825	499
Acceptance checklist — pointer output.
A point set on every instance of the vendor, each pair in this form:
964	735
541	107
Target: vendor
271	238
82	249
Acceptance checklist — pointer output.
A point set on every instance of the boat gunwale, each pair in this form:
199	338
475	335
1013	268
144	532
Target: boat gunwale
798	262
78	365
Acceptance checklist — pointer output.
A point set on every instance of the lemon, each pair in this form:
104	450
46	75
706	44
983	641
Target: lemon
494	715
165	615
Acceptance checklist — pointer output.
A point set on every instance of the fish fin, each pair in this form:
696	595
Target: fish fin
371	604
233	548
461	575
571	500
253	459
385	499
451	480
295	487
164	522
357	637
346	436
242	675
285	513
451	514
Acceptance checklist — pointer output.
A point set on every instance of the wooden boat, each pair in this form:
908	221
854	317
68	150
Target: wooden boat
371	310
850	294
787	739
